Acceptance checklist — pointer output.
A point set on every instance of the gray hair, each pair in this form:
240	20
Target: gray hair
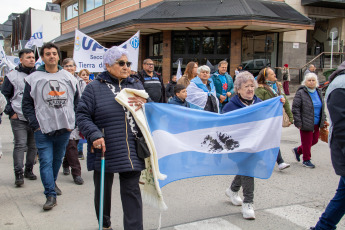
308	76
242	78
203	68
112	54
67	60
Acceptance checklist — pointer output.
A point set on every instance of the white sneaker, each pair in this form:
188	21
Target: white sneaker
248	211
283	166
234	197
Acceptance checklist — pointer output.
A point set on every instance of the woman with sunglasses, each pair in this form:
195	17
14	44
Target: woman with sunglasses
110	128
269	87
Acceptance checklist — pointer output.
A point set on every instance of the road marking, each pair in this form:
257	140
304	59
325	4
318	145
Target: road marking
300	215
214	224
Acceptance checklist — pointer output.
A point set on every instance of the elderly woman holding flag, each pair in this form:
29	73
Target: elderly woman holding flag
244	87
110	130
201	92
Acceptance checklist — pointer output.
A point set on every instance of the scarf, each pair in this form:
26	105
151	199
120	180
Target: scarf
270	84
311	90
27	70
245	101
148	182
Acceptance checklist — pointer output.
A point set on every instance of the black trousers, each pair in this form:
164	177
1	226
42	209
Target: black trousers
130	196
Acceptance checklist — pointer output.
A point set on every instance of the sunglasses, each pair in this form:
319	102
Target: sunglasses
123	63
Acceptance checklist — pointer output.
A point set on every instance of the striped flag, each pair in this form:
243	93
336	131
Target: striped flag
194	143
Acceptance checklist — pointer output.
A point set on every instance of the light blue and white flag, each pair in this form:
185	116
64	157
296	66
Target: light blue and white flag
36	39
194	143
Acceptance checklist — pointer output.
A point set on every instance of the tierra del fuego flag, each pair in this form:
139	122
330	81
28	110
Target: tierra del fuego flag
193	143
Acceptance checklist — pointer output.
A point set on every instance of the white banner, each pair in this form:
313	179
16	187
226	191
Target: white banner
39	62
88	53
132	46
15	60
36	39
4	59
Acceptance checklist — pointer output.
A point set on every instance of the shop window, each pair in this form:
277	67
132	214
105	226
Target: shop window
156	45
92	4
259	50
208	43
71	11
194	43
179	42
203	47
223	43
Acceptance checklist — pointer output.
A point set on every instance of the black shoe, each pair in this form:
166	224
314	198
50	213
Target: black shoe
19	179
57	190
66	171
80	155
298	157
308	164
50	203
29	174
78	180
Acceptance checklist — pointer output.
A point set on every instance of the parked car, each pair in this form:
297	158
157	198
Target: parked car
254	66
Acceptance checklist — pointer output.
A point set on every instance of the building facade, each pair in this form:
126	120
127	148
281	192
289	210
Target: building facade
254	33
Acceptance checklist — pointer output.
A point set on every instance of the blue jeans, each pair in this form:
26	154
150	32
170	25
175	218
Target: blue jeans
51	150
335	209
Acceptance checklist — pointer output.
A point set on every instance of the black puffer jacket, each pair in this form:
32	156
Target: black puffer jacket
303	110
99	111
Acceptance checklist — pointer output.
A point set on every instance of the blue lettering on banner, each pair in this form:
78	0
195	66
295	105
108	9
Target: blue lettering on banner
96	57
37	35
95	46
84	65
135	42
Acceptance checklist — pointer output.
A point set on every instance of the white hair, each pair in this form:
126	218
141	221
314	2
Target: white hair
203	68
308	76
242	78
112	54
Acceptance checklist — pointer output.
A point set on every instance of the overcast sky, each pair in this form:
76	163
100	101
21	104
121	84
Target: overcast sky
19	6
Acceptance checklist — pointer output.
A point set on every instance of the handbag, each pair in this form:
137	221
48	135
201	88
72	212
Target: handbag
323	135
286	119
142	148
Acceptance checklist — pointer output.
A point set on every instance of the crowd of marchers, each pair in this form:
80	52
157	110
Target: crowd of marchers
54	110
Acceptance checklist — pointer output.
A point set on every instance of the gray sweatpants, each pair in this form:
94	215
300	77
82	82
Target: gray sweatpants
248	187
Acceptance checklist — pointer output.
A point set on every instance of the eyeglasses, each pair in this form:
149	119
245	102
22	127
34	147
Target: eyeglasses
150	64
123	63
68	66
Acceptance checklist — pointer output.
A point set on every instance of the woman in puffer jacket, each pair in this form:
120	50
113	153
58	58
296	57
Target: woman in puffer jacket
308	110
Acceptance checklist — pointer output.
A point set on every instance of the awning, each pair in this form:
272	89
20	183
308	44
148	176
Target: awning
337	4
256	15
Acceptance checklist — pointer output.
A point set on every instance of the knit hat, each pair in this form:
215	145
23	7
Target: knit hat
286	65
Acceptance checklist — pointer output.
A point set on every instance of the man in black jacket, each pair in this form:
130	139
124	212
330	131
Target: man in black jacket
152	81
335	102
24	141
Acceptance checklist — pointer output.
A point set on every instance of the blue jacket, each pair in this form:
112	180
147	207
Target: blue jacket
235	103
177	101
100	115
218	84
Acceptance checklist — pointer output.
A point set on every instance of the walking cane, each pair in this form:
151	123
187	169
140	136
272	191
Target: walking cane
101	200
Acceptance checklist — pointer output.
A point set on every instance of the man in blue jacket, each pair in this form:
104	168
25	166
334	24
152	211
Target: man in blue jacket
223	83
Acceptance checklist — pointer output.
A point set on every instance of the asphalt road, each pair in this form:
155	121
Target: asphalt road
290	199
